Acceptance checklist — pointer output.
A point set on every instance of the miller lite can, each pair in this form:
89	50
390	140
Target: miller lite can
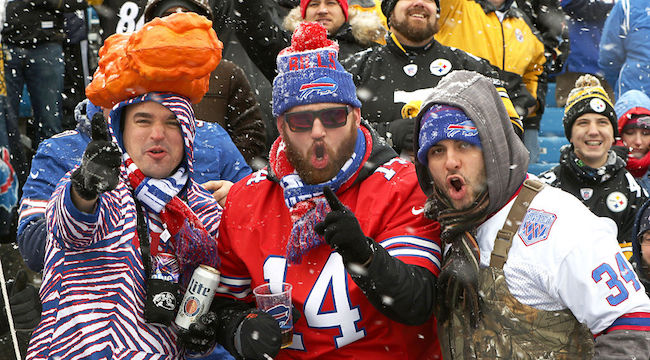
198	296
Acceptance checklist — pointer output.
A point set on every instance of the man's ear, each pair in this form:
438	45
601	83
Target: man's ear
357	116
280	125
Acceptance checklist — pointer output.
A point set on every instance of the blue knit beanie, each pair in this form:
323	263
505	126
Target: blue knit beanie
309	72
442	122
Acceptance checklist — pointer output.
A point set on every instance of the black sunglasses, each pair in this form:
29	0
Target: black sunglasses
301	121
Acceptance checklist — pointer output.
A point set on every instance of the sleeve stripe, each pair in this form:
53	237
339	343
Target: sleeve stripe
410	240
634	321
434	258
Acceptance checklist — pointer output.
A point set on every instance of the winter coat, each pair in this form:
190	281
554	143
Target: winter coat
231	103
512	45
29	23
624	52
586	20
215	158
633	102
389	76
617	196
263	40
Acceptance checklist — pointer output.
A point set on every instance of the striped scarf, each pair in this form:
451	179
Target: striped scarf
307	204
165	211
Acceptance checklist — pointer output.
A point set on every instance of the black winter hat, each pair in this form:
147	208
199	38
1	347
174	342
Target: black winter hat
155	8
387	7
588	96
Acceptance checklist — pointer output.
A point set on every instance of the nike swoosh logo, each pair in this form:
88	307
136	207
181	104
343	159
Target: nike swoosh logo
417	212
33	176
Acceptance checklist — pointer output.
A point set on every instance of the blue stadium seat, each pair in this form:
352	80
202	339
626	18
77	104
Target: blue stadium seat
538	168
551	124
549	148
550	95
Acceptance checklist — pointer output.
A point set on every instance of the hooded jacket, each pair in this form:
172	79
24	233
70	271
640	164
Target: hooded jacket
389	76
263	40
477	98
93	288
624	50
547	260
634	102
216	158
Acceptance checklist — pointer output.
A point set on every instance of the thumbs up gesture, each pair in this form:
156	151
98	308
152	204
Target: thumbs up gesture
100	166
343	233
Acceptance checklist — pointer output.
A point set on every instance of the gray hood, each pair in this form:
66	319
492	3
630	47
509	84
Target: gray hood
504	154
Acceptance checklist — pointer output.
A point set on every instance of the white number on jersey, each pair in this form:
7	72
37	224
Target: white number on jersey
129	21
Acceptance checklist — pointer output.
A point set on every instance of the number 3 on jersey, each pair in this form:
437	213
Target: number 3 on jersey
627	274
331	287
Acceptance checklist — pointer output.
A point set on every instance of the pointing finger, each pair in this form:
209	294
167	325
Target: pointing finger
333	200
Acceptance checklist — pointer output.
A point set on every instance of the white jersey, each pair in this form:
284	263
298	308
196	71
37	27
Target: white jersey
563	256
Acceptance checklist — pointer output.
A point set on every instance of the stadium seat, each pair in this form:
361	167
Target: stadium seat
538	168
551	124
549	148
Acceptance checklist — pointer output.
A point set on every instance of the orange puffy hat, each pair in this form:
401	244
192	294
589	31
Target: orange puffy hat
174	54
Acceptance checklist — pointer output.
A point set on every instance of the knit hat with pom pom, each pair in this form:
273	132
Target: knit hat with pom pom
588	96
309	72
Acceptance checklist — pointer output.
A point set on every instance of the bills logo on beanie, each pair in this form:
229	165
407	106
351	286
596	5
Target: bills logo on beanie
309	72
444	122
342	3
588	97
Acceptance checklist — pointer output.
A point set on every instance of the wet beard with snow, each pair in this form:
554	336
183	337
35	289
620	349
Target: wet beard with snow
412	33
337	158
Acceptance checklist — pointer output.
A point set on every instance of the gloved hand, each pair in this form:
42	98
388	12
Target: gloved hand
201	336
343	233
258	336
100	166
24	303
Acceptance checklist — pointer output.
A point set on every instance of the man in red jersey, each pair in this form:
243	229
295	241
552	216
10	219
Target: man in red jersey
339	216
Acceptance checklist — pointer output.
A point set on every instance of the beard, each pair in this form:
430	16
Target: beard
412	33
337	158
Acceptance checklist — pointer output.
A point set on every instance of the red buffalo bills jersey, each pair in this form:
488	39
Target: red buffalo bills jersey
338	322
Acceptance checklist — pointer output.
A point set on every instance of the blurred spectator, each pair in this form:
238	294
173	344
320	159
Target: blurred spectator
215	158
32	39
585	22
625	46
229	100
633	111
588	168
549	19
25	308
409	66
77	71
498	31
353	30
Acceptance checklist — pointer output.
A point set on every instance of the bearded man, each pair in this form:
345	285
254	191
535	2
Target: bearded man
361	267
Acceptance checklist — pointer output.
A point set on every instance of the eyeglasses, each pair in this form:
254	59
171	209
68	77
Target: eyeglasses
301	121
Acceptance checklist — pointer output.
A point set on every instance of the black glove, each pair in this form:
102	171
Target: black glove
258	336
100	166
24	303
343	233
201	336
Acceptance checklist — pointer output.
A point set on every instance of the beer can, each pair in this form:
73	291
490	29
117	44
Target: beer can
198	296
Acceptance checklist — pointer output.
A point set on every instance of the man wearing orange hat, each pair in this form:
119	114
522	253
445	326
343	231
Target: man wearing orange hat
129	225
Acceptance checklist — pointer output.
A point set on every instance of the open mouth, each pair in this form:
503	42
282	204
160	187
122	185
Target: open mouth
319	151
593	142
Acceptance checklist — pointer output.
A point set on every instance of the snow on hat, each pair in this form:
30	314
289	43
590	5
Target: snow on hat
588	97
443	122
309	72
342	3
633	110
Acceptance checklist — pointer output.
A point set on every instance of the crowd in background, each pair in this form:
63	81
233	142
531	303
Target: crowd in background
596	51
